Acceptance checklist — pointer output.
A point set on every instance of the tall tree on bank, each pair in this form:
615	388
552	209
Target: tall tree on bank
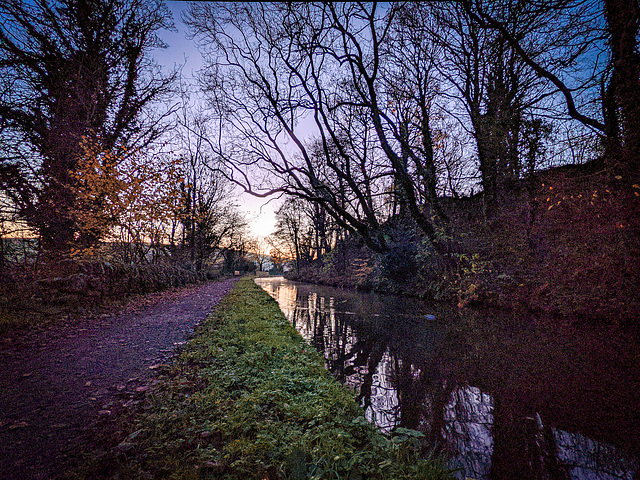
291	224
623	22
72	73
496	89
617	119
205	210
413	85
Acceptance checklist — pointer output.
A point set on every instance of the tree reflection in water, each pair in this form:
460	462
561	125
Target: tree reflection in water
502	398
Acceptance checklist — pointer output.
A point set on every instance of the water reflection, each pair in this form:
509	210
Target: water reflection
468	421
504	398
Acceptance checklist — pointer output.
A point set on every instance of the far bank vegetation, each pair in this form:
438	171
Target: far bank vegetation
474	151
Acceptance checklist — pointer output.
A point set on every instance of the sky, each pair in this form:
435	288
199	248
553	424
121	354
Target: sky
180	51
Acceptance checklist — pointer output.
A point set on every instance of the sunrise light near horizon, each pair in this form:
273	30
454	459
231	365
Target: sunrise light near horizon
263	225
262	219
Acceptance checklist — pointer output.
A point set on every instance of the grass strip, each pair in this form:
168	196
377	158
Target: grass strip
248	398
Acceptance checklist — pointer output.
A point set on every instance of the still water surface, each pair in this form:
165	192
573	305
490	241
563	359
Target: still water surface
504	397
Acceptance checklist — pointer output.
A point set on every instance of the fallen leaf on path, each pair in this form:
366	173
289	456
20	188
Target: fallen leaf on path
18	425
158	365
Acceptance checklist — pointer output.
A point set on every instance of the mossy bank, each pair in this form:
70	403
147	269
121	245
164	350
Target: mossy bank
248	398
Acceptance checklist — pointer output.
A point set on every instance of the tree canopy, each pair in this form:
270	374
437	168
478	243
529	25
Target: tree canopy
351	104
74	72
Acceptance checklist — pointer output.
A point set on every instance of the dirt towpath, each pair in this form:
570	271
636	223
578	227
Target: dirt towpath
56	384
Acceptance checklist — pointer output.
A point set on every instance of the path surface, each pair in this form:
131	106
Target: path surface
56	384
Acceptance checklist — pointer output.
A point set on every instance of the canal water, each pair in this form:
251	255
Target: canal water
502	396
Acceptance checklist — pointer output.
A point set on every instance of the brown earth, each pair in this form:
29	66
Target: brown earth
57	384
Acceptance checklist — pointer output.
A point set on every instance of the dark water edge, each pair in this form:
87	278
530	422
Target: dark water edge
503	396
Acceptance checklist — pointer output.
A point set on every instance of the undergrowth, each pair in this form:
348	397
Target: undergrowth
248	398
10	322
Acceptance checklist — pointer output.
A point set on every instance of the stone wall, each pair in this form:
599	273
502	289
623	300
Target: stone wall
94	283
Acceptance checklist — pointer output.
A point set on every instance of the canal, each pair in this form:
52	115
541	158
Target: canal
503	396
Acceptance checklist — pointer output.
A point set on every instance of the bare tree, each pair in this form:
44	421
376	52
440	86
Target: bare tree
279	71
236	241
489	89
291	225
602	33
206	195
412	82
260	249
73	70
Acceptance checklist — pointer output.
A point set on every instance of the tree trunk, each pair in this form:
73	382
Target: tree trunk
612	145
485	142
623	21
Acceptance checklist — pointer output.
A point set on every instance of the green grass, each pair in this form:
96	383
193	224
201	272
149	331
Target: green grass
247	398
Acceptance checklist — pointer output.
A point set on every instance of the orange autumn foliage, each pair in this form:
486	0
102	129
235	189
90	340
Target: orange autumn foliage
125	195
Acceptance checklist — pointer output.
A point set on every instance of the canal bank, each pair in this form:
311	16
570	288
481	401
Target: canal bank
248	398
502	395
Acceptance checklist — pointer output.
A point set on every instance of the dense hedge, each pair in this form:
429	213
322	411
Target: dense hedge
80	284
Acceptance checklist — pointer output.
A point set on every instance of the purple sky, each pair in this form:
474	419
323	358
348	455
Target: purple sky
182	51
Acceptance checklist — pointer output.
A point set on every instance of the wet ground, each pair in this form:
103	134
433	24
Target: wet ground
56	384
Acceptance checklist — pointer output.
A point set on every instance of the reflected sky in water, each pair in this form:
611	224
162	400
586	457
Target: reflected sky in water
503	397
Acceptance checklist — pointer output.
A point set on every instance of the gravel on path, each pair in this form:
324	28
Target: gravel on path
56	384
